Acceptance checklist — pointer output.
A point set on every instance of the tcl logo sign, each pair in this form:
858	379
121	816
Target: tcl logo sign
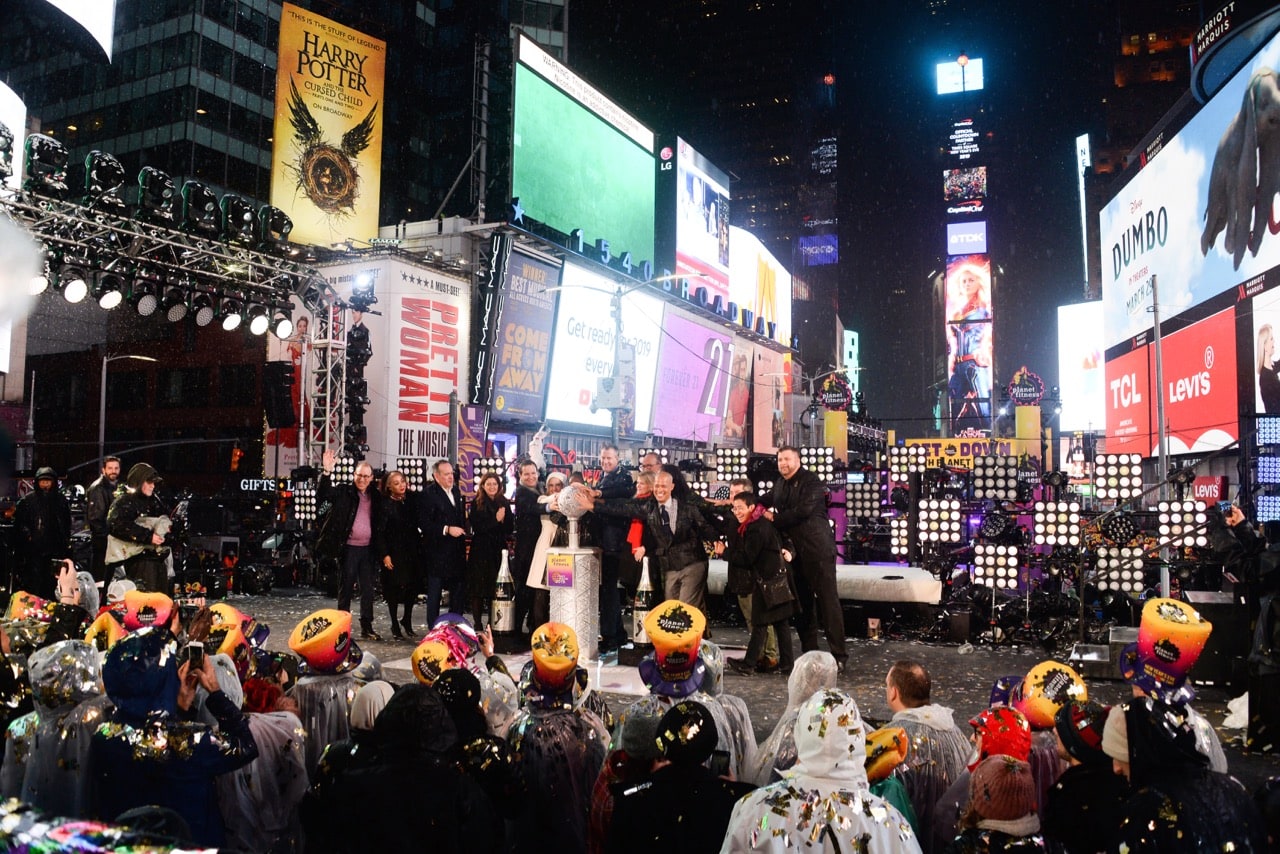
1124	391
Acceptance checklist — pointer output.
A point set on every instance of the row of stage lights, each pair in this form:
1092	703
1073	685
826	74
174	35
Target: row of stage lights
93	252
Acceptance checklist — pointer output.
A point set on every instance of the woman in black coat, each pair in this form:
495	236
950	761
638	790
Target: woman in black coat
398	550
491	526
754	552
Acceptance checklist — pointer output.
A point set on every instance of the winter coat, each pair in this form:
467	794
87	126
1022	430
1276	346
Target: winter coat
610	531
125	511
144	754
937	758
530	513
755	556
680	808
446	555
488	540
46	752
825	795
671	551
1178	803
1085	807
344	499
982	840
42	521
97	503
404	791
397	536
800	515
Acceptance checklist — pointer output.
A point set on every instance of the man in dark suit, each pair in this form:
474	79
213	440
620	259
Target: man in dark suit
611	535
799	513
347	535
529	515
674	532
97	501
443	521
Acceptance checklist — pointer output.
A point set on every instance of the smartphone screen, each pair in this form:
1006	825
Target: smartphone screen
194	652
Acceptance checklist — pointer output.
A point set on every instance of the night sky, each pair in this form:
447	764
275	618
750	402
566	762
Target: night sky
1048	67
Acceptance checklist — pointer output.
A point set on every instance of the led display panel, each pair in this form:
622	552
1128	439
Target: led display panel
582	350
1081	380
969	341
578	160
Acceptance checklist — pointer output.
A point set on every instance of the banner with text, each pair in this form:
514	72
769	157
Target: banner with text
694	366
524	341
326	160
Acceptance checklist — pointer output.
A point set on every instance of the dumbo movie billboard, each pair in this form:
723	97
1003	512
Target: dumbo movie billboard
1200	217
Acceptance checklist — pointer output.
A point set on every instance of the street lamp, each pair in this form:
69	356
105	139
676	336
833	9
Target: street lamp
102	399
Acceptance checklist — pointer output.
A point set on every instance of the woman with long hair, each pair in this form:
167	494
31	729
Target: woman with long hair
398	546
1268	375
491	525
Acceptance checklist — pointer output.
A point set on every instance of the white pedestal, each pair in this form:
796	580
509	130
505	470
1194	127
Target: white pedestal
578	606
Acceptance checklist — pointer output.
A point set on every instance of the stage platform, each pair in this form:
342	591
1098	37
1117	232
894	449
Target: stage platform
864	583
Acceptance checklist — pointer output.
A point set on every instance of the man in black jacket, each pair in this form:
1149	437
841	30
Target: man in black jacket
443	521
612	537
674	532
347	536
800	514
42	521
97	501
529	513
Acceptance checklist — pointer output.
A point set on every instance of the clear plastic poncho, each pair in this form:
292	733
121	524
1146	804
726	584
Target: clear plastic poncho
324	699
938	756
259	802
813	671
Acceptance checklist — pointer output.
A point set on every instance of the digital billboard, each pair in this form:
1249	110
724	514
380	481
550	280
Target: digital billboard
964	185
759	283
955	77
967	238
702	220
1200	385
13	115
733	433
969	341
695	372
98	17
326	159
578	160
1266	353
819	250
523	343
1081	382
582	348
769	414
964	141
1128	400
1199	217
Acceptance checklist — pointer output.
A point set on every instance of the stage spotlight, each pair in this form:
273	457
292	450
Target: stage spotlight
907	459
6	152
202	305
862	500
103	180
1120	528
258	319
1118	476
239	220
229	310
357	391
109	290
1182	524
40	281
155	195
142	296
274	226
362	295
199	209
282	324
1054	479
1182	476
938	520
174	304
995	477
73	280
1057	523
995	524
899	536
1120	569
900	498
995	566
46	166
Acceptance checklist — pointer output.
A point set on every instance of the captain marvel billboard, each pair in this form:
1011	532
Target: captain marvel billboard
969	342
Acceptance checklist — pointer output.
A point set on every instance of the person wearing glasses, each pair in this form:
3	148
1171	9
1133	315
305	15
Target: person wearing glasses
347	536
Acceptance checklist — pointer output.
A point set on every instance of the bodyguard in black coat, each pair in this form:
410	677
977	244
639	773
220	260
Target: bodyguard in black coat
443	522
529	515
42	521
610	533
799	513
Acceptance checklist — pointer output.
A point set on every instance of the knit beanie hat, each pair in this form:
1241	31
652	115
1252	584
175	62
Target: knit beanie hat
1080	725
1001	789
1115	735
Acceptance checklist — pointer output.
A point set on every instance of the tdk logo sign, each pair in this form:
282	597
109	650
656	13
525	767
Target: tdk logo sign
965	238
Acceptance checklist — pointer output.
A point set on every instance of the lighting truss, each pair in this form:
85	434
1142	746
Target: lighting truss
939	520
415	471
1057	523
862	500
1182	524
899	536
1120	568
1117	476
906	459
995	566
995	478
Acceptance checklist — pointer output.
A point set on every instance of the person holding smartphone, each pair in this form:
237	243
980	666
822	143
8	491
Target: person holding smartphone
1234	548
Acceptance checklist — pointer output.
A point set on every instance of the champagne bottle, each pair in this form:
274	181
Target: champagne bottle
502	611
645	602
